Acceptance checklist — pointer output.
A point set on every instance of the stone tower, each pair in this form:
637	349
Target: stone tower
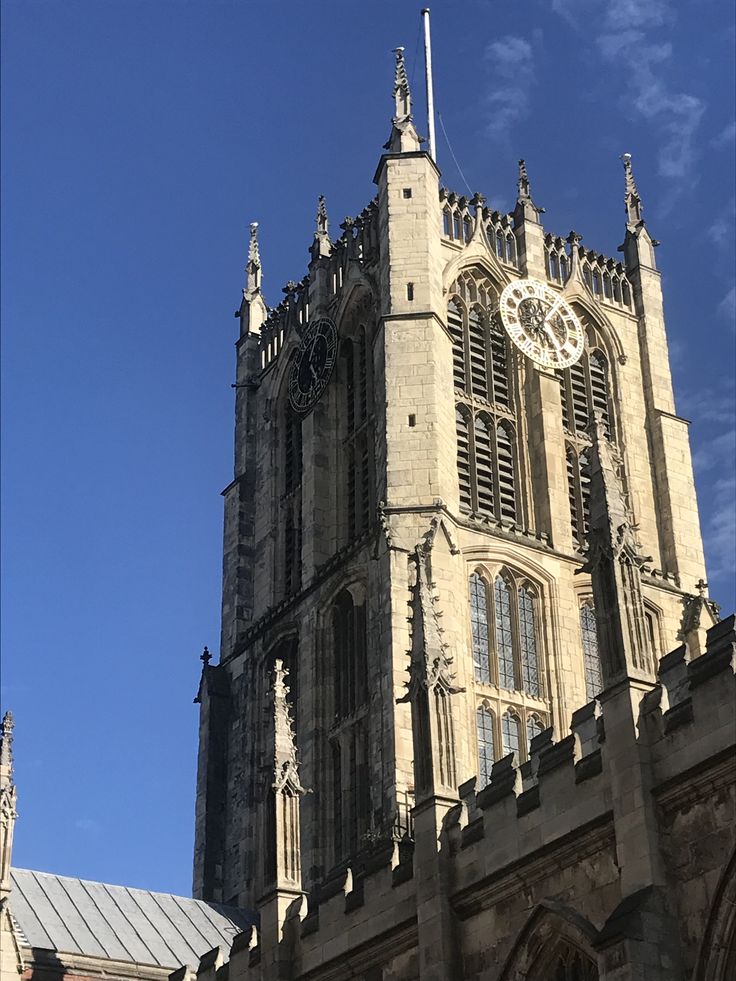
410	546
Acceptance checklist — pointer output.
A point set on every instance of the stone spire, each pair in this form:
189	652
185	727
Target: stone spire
8	811
632	200
431	683
614	562
526	209
253	272
404	137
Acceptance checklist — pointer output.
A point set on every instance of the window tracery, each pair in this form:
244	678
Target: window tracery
507	670
585	389
485	412
357	433
591	656
348	733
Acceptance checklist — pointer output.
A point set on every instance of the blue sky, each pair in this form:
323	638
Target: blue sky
140	137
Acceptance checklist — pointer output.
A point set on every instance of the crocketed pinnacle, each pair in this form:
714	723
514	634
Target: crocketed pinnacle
632	200
322	222
402	95
6	740
525	191
253	271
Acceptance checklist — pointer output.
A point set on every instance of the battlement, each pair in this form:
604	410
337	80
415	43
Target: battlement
548	815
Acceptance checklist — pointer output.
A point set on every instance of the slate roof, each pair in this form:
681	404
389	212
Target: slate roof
55	912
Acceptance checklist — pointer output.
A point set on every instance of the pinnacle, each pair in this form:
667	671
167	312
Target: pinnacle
632	201
402	95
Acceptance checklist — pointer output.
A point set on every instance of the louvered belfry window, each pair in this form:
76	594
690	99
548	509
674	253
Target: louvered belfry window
290	525
486	425
356	418
585	389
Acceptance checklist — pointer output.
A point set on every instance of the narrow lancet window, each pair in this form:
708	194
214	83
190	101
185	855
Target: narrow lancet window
591	657
486	744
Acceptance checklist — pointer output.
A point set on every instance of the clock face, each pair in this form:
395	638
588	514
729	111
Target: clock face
313	364
541	323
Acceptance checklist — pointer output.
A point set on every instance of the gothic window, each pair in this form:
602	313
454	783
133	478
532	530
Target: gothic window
349	731
357	422
507	656
528	643
511	733
487	449
651	622
504	638
479	626
585	390
504	628
591	657
447	222
291	504
486	743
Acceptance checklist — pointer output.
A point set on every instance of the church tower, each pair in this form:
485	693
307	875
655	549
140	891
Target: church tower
417	423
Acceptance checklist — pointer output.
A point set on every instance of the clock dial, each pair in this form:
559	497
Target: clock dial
313	364
541	323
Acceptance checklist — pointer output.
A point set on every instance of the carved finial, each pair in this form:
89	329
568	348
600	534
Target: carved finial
523	184
6	741
632	200
701	585
321	245
404	137
402	95
205	657
253	270
322	221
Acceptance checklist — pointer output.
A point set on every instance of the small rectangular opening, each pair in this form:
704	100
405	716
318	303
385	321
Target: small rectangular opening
407	192
410	291
412	420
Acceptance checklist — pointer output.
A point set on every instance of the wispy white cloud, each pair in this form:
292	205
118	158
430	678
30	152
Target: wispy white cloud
715	406
631	33
715	452
88	825
727	307
511	63
726	137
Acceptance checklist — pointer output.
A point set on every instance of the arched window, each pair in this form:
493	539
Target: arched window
651	622
447	222
291	503
534	727
455	327
599	384
479	626
504	638
487	451
528	643
486	743
348	741
356	419
585	390
511	733
591	657
292	450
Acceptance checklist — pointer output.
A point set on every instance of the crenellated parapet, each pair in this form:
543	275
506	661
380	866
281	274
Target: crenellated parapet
533	834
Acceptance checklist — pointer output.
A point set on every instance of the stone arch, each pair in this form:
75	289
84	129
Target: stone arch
551	933
717	954
479	255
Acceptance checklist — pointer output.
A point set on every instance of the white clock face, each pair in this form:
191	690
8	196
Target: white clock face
541	323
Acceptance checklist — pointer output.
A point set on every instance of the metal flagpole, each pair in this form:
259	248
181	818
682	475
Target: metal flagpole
428	80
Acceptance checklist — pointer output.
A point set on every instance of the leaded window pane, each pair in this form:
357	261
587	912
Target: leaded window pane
479	625
528	644
591	657
534	727
504	641
486	747
511	734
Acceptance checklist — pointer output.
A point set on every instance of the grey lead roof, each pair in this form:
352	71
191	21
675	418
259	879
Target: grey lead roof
71	916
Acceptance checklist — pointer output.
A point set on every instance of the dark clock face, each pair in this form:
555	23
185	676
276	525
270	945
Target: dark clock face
313	364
